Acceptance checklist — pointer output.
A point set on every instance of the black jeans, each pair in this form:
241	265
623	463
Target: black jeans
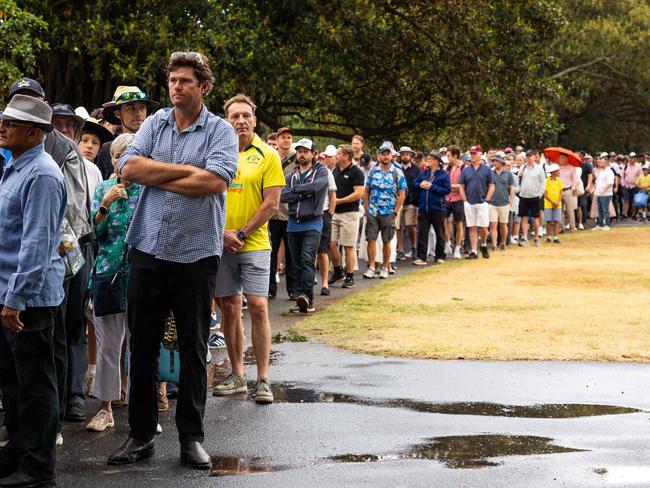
426	220
71	343
278	233
157	287
28	382
303	247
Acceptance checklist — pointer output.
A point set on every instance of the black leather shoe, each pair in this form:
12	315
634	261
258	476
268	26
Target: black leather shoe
75	413
20	479
131	451
194	456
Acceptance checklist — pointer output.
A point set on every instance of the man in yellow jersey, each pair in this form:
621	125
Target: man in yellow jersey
253	196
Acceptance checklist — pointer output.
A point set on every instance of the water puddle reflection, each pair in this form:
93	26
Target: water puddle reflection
229	466
289	393
467	452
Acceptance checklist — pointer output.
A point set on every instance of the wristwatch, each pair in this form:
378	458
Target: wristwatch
103	210
241	235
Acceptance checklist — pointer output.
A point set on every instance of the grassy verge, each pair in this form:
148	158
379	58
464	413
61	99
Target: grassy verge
585	299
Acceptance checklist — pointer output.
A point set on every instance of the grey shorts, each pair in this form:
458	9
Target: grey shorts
376	224
246	272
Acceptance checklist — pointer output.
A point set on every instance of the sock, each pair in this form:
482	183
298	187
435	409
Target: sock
349	275
92	368
337	270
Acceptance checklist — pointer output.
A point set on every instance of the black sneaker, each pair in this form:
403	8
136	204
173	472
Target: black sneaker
335	277
472	255
310	308
325	292
349	282
484	252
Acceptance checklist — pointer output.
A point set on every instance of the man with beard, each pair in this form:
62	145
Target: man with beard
305	193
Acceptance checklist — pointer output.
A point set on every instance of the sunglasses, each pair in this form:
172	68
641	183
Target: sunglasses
188	55
10	123
131	96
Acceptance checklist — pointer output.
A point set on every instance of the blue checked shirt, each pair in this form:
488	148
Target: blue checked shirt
171	226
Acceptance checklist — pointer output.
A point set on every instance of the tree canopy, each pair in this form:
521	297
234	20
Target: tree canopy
498	72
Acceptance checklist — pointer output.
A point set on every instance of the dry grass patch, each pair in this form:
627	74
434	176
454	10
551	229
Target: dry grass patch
585	299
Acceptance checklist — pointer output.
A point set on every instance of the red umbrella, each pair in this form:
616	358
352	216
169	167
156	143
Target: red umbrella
554	153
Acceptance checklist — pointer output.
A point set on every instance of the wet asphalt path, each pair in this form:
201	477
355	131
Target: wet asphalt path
342	420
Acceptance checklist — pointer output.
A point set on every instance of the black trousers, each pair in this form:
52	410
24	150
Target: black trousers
71	343
28	382
278	233
426	220
157	287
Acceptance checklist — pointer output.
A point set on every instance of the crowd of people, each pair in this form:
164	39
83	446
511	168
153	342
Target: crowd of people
177	212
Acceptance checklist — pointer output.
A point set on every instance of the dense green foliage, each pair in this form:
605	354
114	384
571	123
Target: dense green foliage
499	72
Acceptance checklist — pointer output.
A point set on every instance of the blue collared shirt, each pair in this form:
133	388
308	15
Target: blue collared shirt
32	204
176	227
477	182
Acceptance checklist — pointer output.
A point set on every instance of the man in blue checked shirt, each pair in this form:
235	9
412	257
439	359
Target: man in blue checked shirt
185	157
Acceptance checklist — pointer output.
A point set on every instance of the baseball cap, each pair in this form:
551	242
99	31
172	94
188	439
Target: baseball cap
282	130
475	149
553	167
632	154
386	146
330	151
500	158
305	143
25	84
507	150
467	157
603	155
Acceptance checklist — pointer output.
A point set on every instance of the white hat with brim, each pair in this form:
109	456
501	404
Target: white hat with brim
120	99
406	149
330	151
553	167
29	110
93	126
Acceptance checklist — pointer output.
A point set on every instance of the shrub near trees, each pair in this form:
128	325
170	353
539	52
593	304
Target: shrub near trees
503	72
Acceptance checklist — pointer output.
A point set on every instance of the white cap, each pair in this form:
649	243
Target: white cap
553	167
330	151
632	154
306	143
603	155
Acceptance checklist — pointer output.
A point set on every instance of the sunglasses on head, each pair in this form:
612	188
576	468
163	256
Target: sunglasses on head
131	96
193	55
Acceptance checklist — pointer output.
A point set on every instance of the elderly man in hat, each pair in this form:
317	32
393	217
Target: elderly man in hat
128	109
305	193
66	121
32	206
71	354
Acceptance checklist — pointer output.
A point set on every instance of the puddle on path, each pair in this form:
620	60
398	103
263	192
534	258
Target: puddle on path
467	452
289	393
229	466
249	356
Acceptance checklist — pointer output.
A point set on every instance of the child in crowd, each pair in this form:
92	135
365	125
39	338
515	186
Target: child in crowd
553	203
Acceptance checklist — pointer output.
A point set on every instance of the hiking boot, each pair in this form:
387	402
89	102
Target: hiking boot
263	393
484	252
370	274
231	384
163	402
383	274
419	262
472	255
336	277
303	302
349	282
102	421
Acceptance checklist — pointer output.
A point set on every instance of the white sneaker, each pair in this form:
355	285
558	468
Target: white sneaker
598	227
448	249
607	227
59	440
102	421
370	274
567	227
277	277
383	274
457	252
158	429
581	227
541	232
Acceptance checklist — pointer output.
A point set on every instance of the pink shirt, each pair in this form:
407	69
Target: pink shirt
454	176
631	174
568	176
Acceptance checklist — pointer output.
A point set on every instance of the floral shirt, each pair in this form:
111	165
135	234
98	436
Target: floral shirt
111	232
384	189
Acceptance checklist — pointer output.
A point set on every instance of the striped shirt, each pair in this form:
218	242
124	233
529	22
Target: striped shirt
171	226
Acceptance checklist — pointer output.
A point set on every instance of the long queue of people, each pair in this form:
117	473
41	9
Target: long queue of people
176	212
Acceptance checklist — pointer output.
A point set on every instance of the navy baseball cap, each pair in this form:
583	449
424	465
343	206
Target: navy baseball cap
25	84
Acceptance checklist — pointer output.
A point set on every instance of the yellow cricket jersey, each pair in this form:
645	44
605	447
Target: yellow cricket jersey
259	168
643	182
554	190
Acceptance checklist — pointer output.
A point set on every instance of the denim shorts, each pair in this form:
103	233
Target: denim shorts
553	215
